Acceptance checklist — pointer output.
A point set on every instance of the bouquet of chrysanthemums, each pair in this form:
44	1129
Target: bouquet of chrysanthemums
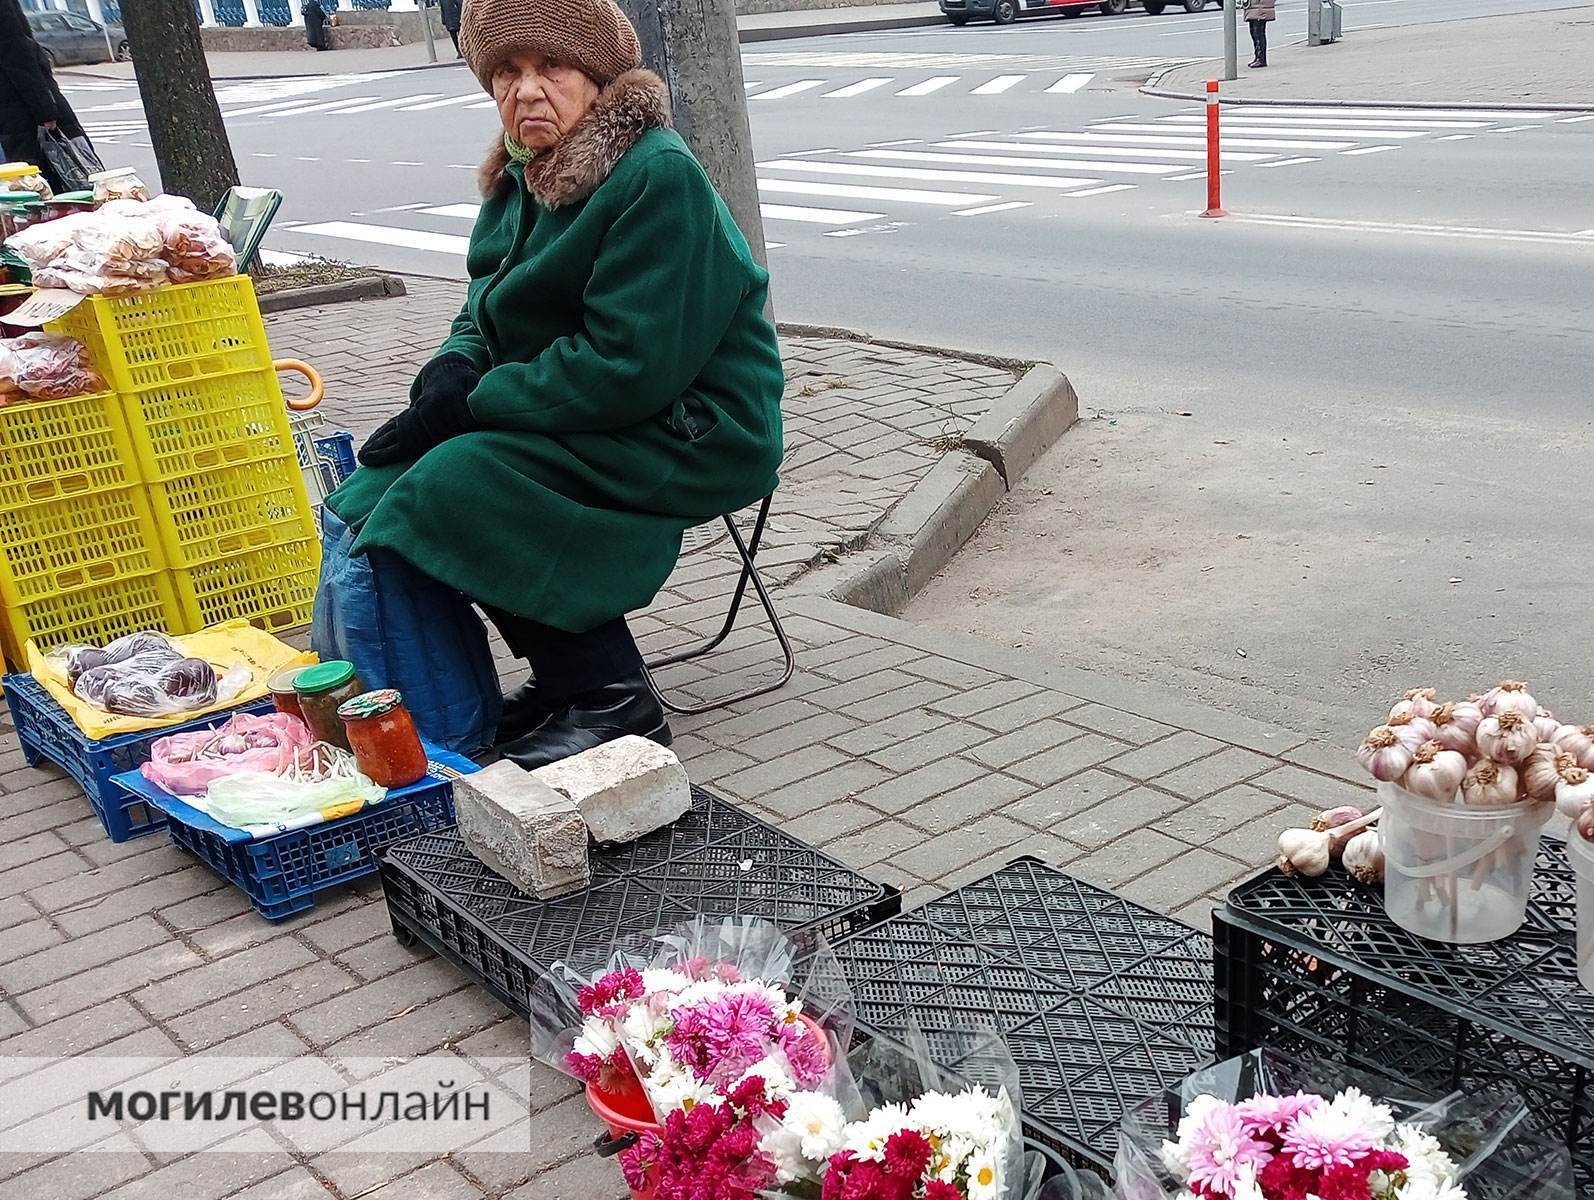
1266	1126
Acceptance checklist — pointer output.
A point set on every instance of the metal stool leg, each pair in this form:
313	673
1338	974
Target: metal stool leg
748	551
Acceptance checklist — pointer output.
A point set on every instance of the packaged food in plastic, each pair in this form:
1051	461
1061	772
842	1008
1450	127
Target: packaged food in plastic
118	183
45	366
115	238
40	245
194	246
185	764
323	783
147	675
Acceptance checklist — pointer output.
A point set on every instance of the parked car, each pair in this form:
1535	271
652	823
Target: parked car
1005	12
67	38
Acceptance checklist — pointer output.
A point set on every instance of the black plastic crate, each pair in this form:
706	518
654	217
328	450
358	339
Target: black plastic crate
716	860
1102	1002
1318	965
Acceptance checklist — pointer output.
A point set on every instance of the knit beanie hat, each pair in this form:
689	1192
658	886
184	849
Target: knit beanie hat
593	35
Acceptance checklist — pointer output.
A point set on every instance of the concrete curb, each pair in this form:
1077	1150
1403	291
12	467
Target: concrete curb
1153	87
779	33
367	287
943	510
793	329
1025	423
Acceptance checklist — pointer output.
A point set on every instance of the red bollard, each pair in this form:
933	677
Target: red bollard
1214	165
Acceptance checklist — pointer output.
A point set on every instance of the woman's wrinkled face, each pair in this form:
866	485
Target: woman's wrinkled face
541	99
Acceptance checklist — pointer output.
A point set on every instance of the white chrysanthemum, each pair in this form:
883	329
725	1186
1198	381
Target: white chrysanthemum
643	1032
671	1086
663	979
596	1038
1365	1113
1429	1162
697	992
818	1122
1195	1116
775	1071
1246	1186
1176	1158
1433	1190
867	1138
984	1175
954	1151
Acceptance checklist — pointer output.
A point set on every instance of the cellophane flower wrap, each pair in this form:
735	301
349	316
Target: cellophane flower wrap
1265	1126
920	1131
721	1027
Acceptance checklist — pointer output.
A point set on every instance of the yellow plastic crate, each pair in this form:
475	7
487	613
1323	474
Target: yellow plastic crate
202	424
93	615
172	334
55	448
225	512
272	588
58	546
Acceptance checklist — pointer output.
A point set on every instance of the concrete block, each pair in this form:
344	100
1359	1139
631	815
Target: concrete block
622	789
1023	424
524	830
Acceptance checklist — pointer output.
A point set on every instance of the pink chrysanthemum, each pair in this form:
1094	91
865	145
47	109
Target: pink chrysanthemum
804	1052
1220	1148
1267	1114
1327	1138
610	991
723	1037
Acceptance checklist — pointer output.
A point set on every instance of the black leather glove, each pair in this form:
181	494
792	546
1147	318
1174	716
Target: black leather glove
440	410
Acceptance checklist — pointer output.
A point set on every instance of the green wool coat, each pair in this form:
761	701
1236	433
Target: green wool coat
630	382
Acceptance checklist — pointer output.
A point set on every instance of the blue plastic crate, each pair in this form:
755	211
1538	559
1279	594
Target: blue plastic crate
46	731
282	873
337	449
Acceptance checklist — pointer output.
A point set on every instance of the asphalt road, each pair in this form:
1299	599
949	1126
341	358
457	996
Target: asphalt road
1339	440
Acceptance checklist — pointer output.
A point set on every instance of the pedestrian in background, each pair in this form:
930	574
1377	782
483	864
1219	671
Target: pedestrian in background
29	97
315	24
451	10
1257	14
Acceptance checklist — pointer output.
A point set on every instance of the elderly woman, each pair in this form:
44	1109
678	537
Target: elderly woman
610	381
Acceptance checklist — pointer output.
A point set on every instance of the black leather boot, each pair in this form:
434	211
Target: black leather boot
525	708
625	706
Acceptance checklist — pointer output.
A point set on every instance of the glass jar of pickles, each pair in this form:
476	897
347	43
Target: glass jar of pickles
321	689
383	738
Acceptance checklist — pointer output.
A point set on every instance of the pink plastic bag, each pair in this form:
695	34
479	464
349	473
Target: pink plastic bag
186	764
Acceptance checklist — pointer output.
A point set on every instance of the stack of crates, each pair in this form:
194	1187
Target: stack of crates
174	502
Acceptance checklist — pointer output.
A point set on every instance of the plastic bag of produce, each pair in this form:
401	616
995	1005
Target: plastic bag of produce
40	245
148	675
186	764
45	366
402	629
322	784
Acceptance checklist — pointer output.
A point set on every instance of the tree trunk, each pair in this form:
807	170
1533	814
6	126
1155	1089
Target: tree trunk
185	124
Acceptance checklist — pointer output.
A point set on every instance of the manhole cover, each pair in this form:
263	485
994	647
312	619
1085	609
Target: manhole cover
701	537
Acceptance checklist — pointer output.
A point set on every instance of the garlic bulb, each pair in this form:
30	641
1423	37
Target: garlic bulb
1456	727
1303	852
1578	741
1507	737
1538	774
1412	731
1490	784
1364	856
1585	824
1573	792
1510	696
1384	755
1435	773
1419	702
1329	818
1546	724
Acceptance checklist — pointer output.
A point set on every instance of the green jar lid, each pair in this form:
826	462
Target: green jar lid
370	704
323	677
77	197
17	197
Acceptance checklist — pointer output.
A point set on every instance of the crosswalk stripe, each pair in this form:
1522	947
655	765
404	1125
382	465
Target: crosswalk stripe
999	85
993	208
934	84
1000	160
815	216
1251	116
803	187
1370	150
857	89
1242	128
1463	114
1102	191
1071	83
789	89
482	104
1456	137
1140	152
1574	120
282	108
1250	125
376	104
1141	139
990	177
387	235
1286	162
443	103
468	211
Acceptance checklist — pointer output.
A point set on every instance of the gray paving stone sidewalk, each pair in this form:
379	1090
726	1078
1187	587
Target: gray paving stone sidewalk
922	759
1525	58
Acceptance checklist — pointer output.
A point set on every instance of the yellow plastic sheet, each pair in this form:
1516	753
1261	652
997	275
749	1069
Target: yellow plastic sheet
223	646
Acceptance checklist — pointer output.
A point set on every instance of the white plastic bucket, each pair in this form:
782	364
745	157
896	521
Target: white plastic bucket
1455	873
1580	852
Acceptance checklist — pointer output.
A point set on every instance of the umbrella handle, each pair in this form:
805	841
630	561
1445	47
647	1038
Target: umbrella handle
318	387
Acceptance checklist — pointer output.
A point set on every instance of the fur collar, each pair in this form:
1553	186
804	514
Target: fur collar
627	108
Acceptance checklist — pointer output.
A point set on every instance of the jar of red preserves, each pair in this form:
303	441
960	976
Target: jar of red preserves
383	738
321	689
283	696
